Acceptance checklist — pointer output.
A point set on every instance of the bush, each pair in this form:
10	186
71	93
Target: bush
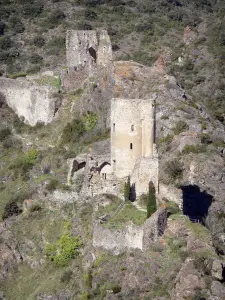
4	133
52	185
172	208
151	201
35	59
35	207
11	209
66	248
24	163
38	41
194	149
90	121
127	191
66	276
174	169
73	131
180	127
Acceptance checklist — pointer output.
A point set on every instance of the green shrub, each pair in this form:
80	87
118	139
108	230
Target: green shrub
127	191
90	121
194	149
38	41
180	127
35	207
151	201
4	134
36	59
66	248
52	185
66	276
25	162
174	169
17	75
172	208
73	131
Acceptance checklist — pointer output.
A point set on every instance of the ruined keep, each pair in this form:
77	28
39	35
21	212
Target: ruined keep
86	51
133	149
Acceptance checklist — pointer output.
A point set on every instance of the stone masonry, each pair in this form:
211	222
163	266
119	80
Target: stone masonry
133	151
87	51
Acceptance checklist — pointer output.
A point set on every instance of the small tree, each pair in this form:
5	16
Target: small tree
151	202
127	189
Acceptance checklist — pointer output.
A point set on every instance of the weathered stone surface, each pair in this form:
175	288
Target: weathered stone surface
33	103
118	240
154	227
187	281
217	269
217	290
131	236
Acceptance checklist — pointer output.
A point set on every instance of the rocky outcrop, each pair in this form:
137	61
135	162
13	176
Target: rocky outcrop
31	102
187	281
9	254
154	227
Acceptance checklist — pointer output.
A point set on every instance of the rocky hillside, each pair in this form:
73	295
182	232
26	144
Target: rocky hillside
47	226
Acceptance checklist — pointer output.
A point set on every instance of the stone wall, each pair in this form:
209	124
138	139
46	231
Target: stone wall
33	103
87	52
131	236
118	240
145	170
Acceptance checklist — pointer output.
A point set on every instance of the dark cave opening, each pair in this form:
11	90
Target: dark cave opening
195	203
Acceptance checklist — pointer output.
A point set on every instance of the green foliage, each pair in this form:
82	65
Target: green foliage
180	127
174	168
90	121
52	185
172	208
4	134
128	213
66	276
151	202
64	250
127	190
73	131
25	162
35	207
17	75
194	149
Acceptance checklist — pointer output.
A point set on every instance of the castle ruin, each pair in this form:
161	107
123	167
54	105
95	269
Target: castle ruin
133	149
87	51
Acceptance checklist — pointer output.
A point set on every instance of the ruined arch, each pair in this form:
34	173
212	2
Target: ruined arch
105	169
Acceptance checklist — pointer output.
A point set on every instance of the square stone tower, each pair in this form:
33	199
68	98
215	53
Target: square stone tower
86	51
133	152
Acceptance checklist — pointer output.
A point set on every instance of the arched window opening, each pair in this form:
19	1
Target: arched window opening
114	127
132	127
131	146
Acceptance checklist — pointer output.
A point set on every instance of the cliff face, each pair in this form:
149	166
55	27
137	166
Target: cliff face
31	102
191	173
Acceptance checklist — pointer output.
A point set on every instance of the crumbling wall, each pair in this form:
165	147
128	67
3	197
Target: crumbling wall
33	103
131	236
118	240
87	52
145	170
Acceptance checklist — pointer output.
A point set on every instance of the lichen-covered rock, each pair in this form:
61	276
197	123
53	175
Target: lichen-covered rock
187	281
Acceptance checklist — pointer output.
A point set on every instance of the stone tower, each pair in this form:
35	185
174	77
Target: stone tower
87	51
133	151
